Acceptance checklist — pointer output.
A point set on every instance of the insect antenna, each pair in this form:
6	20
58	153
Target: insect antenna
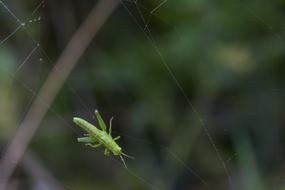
128	156
123	162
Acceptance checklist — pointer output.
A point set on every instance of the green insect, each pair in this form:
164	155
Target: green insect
96	137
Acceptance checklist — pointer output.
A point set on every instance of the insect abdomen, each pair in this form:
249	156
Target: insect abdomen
87	126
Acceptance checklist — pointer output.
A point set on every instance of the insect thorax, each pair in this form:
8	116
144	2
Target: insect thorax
111	145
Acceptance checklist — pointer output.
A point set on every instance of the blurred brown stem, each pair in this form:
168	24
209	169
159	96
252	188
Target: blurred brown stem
39	173
64	65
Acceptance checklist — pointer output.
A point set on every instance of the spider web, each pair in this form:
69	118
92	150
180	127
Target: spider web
135	10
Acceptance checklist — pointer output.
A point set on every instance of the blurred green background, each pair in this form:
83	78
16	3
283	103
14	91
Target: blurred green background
228	57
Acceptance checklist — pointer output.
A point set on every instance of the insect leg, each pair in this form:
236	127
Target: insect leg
116	138
107	152
93	145
110	127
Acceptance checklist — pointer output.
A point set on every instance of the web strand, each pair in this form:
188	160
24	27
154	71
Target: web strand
21	24
137	176
27	58
37	47
11	12
189	169
96	13
149	36
157	7
10	35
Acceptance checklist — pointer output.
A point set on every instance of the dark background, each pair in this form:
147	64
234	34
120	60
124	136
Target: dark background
228	57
